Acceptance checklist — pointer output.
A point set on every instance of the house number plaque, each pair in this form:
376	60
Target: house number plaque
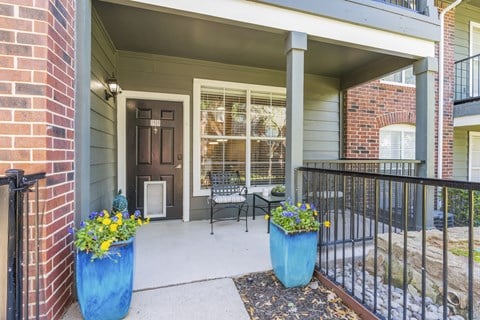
155	124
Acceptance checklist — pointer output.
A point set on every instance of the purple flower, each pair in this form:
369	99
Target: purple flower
93	215
101	214
312	206
114	218
126	215
287	214
71	230
137	213
303	207
297	219
82	224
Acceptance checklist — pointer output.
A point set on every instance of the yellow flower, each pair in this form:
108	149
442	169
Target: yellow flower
327	224
266	217
139	221
119	215
107	221
299	204
307	206
315	213
147	221
113	227
120	222
105	245
106	214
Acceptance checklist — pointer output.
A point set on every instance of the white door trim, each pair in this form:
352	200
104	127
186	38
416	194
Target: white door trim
122	147
471	135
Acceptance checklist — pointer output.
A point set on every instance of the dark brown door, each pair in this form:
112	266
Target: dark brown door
154	151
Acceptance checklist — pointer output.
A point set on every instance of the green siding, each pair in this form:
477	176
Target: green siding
103	117
148	72
460	151
464	13
460	154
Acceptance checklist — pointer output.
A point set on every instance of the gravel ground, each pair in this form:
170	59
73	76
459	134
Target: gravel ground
265	298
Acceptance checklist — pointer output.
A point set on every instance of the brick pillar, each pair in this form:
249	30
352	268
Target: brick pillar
36	126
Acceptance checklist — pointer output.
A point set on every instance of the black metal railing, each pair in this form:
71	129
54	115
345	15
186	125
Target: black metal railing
414	5
467	79
364	192
425	265
19	254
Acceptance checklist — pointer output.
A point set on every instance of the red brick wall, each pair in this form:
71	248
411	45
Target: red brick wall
369	107
36	126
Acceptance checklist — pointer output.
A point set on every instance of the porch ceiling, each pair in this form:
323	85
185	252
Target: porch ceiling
174	34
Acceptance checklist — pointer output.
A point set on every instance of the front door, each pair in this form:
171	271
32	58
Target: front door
154	151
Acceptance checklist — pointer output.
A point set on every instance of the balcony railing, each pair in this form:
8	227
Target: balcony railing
467	79
414	5
425	267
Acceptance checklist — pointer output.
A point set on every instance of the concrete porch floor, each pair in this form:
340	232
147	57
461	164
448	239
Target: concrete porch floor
183	272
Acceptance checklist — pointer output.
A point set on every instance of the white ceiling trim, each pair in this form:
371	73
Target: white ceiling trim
466	121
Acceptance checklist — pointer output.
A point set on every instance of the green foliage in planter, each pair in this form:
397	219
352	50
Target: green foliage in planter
297	218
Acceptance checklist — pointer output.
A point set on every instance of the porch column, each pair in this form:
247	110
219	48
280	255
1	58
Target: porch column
83	39
295	45
425	71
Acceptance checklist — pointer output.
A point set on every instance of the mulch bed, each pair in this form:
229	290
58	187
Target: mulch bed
265	297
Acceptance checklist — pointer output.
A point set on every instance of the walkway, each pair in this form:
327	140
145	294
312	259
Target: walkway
183	272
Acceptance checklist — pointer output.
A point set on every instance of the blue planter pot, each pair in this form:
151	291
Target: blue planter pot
293	255
104	286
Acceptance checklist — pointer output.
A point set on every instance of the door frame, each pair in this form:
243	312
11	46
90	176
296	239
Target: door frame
122	145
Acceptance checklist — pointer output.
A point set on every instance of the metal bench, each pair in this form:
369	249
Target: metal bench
227	191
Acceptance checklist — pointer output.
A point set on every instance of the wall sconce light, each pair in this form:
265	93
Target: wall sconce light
113	87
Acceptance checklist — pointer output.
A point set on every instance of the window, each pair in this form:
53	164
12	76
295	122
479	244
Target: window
474	156
239	127
397	142
404	77
474	50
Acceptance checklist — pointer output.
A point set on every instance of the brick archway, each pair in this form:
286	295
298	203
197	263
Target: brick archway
406	117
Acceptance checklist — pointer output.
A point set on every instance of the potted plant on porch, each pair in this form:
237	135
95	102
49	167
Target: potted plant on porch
104	263
293	242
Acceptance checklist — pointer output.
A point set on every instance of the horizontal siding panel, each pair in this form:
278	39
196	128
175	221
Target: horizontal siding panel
314	136
101	107
101	194
320	145
322	116
102	156
102	140
311	125
103	171
460	154
320	155
100	123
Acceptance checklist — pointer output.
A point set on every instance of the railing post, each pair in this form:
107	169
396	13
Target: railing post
14	298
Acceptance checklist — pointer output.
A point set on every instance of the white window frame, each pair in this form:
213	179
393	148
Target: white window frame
403	128
197	84
473	25
402	72
471	134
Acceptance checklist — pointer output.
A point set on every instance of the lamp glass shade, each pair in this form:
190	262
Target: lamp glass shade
113	86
